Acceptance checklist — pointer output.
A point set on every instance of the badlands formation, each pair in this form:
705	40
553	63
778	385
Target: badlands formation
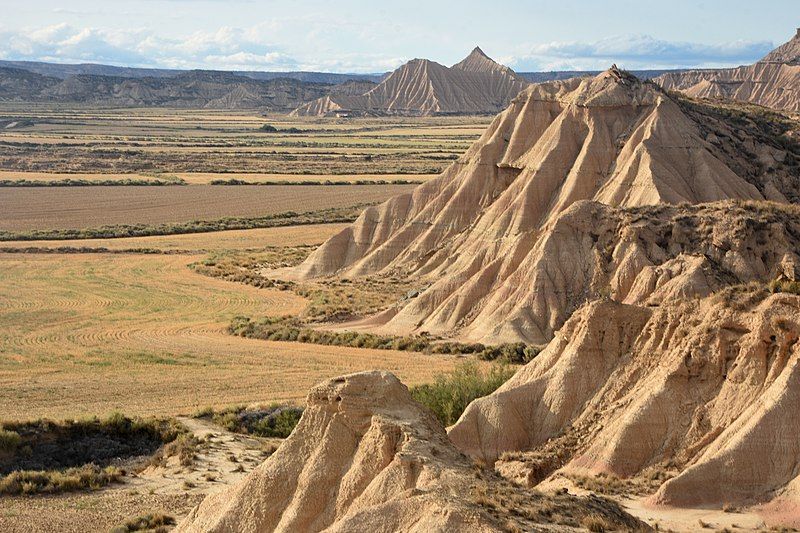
774	81
531	222
634	233
366	457
475	85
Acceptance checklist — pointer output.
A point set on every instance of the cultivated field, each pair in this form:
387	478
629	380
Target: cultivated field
206	178
85	334
93	325
151	141
36	208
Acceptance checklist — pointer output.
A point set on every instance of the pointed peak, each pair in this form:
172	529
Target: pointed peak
619	75
477	52
478	61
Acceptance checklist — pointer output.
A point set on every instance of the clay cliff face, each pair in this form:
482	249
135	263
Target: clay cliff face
774	81
366	457
476	85
708	388
498	237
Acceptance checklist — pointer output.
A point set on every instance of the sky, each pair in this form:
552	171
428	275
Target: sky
371	36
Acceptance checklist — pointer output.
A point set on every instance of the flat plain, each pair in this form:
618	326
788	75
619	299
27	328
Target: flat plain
151	142
38	208
84	333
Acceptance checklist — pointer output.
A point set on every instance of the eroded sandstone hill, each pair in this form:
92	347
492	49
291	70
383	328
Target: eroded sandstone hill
475	85
774	81
366	457
701	395
504	244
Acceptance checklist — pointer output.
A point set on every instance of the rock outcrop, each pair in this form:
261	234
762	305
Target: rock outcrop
774	81
366	457
502	240
706	388
475	85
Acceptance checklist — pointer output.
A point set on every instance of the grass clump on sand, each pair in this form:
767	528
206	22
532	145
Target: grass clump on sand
292	329
91	477
790	287
155	523
276	421
451	393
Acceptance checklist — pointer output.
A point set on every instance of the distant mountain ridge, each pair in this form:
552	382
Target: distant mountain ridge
324	92
65	70
774	81
475	85
192	89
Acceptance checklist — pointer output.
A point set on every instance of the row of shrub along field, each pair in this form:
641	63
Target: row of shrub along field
10	178
293	330
288	219
223	241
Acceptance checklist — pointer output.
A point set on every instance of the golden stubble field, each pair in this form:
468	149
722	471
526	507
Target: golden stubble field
86	334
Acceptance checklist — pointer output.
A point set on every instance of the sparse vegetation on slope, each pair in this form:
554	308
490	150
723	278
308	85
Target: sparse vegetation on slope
791	287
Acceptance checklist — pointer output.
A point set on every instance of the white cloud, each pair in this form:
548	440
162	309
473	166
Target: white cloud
319	48
226	47
635	51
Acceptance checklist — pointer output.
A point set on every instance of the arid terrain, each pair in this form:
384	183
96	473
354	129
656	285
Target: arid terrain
111	314
388	311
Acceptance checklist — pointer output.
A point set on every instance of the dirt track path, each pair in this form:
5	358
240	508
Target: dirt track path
223	459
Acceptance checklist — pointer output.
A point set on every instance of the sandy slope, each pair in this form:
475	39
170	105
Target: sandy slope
475	85
497	243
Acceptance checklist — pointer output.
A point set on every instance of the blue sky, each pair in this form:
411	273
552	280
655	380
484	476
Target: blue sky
373	36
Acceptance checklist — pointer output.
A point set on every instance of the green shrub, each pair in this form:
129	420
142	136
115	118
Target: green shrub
450	394
280	424
274	421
